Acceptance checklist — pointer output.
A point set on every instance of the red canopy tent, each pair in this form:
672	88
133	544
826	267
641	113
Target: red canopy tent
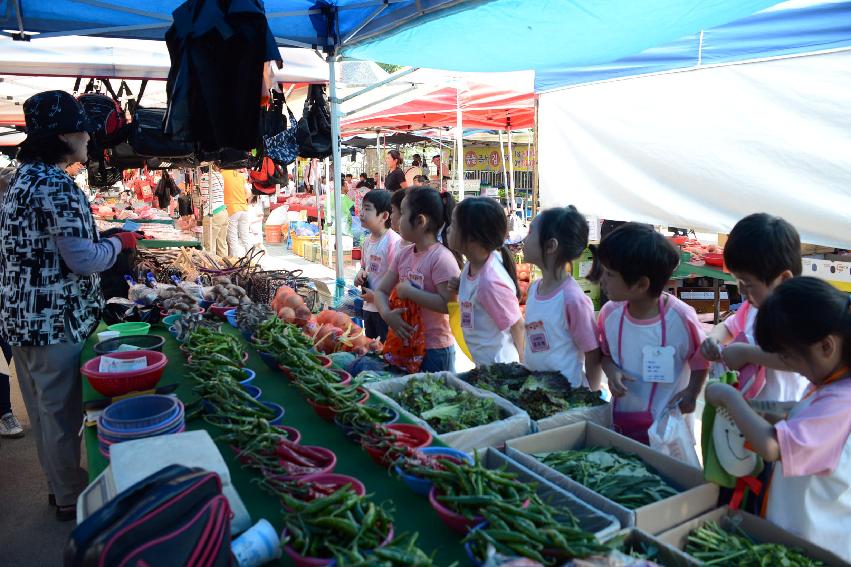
482	106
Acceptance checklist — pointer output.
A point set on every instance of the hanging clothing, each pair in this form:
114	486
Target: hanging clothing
217	72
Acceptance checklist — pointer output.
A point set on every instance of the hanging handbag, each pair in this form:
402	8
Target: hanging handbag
314	128
265	179
148	139
279	138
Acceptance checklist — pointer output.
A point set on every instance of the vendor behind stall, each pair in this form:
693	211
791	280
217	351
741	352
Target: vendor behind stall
50	294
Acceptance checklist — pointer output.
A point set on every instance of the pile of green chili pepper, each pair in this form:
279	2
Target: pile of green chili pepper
715	546
334	524
624	479
403	551
230	398
216	346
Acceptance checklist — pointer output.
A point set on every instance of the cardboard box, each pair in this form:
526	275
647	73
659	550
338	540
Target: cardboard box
696	495
762	531
591	520
837	274
636	540
703	298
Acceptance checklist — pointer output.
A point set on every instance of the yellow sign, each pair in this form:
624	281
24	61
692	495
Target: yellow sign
488	158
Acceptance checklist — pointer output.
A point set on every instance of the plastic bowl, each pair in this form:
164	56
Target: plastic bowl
302	561
220	310
455	521
230	315
423	486
140	342
353	435
468	546
170	320
329	458
270	359
127	329
293	434
422	436
114	384
140	412
337	481
173	331
252	391
327	412
714	259
250	375
322	360
279	412
205	304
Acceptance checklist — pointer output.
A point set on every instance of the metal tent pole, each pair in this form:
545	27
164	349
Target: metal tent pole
459	142
511	205
528	168
535	185
504	167
335	145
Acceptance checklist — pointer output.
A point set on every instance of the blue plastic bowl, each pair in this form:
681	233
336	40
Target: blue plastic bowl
253	391
230	315
279	412
247	335
270	359
170	320
422	486
205	304
141	412
250	375
468	547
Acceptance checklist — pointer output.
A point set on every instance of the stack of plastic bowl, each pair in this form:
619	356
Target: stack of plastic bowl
138	418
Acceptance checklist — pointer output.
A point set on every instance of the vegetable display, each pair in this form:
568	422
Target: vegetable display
402	552
188	324
443	407
206	343
541	394
715	546
624	479
225	293
250	317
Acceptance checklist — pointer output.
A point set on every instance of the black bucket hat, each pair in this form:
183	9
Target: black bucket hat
54	112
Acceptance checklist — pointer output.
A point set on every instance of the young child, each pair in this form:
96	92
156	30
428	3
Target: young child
421	273
650	340
561	330
762	252
379	251
488	290
808	324
396	199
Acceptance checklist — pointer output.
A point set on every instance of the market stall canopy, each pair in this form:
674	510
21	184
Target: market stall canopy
126	59
397	139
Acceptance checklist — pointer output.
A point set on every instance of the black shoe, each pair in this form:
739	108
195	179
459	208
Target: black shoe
51	500
66	513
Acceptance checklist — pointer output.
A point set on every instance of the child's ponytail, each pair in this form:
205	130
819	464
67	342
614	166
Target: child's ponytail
801	312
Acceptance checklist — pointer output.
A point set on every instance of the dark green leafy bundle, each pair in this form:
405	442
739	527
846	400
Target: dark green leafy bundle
445	408
625	479
713	545
541	394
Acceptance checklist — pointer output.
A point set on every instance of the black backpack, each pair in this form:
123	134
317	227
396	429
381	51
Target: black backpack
176	516
314	128
108	118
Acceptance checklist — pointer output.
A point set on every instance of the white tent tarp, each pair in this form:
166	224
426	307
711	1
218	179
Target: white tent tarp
705	147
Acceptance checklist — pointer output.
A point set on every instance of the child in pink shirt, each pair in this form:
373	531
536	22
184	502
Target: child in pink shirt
650	340
488	289
561	329
808	323
421	273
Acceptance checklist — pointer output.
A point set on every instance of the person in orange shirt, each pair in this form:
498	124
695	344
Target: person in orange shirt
239	222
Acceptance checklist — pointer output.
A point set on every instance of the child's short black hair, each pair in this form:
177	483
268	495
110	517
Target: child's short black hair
380	199
764	246
397	197
801	312
635	251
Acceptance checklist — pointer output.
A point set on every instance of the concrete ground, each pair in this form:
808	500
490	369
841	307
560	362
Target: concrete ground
30	535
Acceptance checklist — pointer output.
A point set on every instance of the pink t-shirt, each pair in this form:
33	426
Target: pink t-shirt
378	256
427	270
683	331
812	439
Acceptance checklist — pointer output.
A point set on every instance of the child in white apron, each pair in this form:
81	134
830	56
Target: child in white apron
561	328
650	340
488	290
808	323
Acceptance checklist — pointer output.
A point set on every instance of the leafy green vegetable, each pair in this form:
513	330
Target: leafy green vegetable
445	408
713	545
541	394
625	479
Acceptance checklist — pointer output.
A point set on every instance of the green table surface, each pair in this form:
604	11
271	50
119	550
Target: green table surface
686	270
169	244
155	221
411	512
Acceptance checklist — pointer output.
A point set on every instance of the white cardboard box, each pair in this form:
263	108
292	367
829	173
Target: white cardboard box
696	495
758	529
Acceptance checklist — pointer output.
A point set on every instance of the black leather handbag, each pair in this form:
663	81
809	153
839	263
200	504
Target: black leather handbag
314	128
148	139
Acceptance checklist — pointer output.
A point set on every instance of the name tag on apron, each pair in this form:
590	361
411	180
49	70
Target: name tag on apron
537	336
374	264
466	314
658	364
416	279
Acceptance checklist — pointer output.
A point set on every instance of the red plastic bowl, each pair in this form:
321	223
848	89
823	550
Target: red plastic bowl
455	521
323	360
422	436
327	412
219	310
114	384
714	259
336	481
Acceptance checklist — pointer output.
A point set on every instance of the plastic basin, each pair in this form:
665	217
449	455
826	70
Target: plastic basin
423	486
327	412
250	375
114	384
170	320
421	436
135	415
329	460
353	435
132	328
141	342
270	359
335	481
252	391
230	315
302	561
279	412
455	521
220	310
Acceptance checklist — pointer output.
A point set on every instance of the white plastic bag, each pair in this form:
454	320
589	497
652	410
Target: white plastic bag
670	434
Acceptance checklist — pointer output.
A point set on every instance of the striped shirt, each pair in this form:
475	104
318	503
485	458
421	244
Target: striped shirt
212	201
